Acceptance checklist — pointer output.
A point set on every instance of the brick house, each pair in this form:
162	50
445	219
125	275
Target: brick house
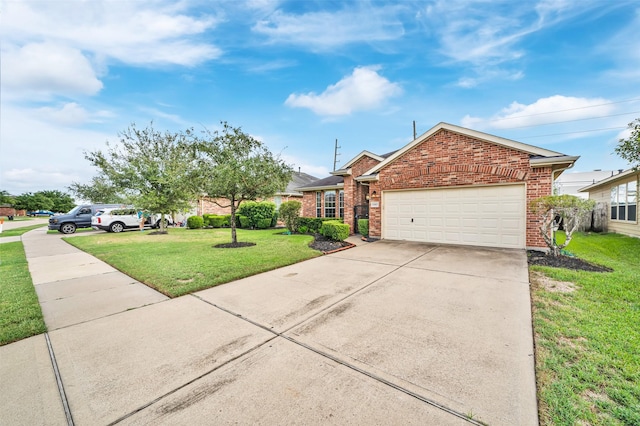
207	206
450	185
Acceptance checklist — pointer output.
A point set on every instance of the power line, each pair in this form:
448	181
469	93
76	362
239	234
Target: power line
571	133
570	121
563	110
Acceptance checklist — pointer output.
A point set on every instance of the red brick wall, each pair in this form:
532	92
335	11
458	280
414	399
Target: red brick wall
309	204
207	206
451	159
355	192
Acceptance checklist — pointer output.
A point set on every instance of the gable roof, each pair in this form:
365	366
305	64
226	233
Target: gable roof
616	177
331	182
544	154
344	170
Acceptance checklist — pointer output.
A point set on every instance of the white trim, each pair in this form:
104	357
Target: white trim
519	146
325	187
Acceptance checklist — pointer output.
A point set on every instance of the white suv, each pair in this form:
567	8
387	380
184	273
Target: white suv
116	220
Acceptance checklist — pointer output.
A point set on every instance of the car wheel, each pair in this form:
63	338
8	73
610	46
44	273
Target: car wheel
116	227
68	228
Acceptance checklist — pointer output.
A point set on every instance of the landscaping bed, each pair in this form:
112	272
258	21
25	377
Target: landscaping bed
324	244
539	258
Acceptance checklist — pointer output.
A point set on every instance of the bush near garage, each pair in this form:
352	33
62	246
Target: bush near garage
195	222
245	223
363	227
313	224
264	223
256	211
335	230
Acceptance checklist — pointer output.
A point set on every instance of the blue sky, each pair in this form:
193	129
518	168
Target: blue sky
300	74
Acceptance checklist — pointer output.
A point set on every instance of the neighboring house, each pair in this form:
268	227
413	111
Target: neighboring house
570	183
207	206
7	210
620	193
450	185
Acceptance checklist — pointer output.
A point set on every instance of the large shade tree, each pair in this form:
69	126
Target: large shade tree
629	148
62	202
235	167
98	191
153	170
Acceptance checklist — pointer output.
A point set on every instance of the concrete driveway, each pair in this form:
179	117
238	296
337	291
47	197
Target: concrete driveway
384	333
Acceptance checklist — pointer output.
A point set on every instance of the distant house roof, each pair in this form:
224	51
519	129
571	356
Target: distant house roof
615	177
299	179
331	182
571	183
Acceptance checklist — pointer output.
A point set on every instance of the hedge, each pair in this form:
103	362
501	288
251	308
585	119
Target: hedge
313	224
363	227
195	222
335	230
255	212
216	221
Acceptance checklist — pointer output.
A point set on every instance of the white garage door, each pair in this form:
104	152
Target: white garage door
491	216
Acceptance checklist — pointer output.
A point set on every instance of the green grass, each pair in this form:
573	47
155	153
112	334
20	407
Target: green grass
588	340
15	232
20	313
184	260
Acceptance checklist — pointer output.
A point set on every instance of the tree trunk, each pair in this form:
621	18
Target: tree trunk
234	238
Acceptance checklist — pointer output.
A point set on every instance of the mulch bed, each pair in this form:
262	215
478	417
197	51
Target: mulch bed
324	244
239	244
539	258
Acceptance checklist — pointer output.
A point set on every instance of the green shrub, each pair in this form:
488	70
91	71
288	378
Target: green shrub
195	222
274	219
335	230
264	223
216	221
255	211
303	229
245	223
363	227
314	223
290	213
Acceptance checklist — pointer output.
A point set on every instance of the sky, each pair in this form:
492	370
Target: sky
559	74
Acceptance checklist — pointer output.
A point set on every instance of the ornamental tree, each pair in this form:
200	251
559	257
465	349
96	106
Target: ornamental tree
153	170
289	212
629	148
234	167
554	209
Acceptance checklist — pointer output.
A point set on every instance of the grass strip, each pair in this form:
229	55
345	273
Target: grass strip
184	260
16	232
20	313
588	340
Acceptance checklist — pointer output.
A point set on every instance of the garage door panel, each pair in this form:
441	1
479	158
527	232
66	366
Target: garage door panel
489	216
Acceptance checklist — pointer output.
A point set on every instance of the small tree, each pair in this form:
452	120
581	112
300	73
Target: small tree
290	212
5	198
236	167
555	208
629	148
154	170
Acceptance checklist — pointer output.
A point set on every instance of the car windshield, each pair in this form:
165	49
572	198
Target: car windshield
74	210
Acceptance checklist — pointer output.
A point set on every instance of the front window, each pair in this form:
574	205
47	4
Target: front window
341	204
318	204
624	202
330	204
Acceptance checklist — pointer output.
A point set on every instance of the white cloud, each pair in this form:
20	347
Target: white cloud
553	109
70	114
328	30
64	47
305	166
364	89
48	69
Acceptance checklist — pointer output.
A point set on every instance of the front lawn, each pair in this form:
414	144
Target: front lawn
184	260
20	313
588	335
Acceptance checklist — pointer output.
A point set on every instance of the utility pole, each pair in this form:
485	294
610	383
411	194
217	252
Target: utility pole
335	155
414	129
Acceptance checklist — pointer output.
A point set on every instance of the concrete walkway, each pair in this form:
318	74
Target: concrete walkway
384	333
